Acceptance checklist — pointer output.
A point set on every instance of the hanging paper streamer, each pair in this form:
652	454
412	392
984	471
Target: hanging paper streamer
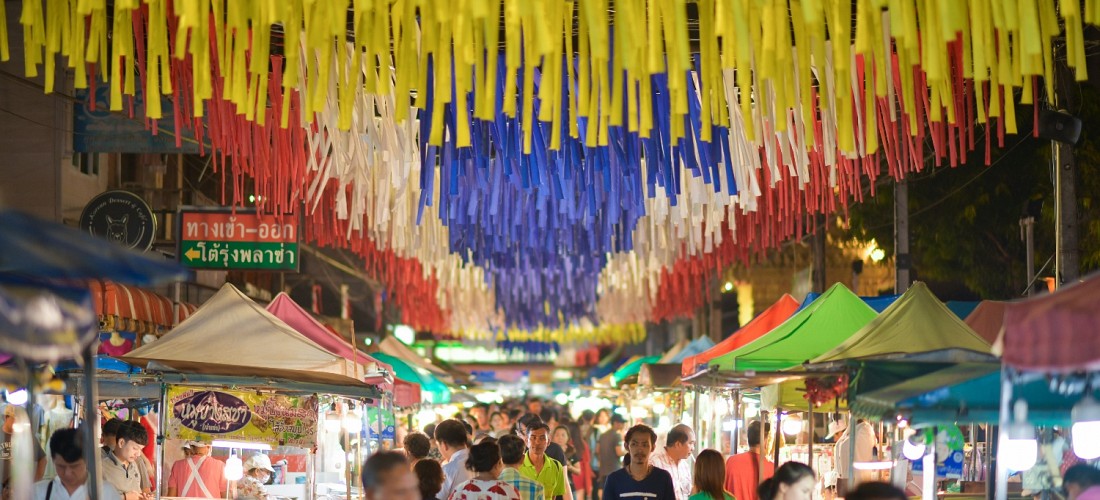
498	173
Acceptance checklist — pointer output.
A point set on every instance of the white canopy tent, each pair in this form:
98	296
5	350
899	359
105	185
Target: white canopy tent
231	335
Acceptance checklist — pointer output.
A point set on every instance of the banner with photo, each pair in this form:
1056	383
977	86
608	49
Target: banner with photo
273	419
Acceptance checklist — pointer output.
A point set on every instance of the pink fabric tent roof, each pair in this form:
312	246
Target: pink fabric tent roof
987	319
1059	332
284	308
772	317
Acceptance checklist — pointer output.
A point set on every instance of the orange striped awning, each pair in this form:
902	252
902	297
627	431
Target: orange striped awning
136	305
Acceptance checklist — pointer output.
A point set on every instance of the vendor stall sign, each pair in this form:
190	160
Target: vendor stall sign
241	416
223	239
121	217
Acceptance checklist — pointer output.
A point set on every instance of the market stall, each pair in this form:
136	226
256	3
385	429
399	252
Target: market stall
198	363
1053	339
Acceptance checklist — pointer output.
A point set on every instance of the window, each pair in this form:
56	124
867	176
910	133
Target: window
87	163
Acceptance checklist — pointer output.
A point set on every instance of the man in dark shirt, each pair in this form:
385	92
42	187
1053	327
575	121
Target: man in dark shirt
638	478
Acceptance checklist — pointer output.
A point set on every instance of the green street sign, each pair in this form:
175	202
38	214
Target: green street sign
237	240
239	255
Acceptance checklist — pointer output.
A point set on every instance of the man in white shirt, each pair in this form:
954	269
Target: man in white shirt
452	439
679	445
67	452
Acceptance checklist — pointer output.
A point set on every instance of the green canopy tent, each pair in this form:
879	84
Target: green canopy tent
435	388
631	369
820	327
916	325
959	393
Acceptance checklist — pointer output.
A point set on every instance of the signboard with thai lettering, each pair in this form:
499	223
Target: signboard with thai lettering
241	240
277	420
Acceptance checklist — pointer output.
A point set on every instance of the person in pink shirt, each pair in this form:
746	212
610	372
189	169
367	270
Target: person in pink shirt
198	475
1082	482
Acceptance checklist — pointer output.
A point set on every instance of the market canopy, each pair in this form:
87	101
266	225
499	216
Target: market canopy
394	348
763	323
232	335
987	319
284	308
674	351
437	390
631	369
816	329
52	251
1059	332
695	347
916	323
963	393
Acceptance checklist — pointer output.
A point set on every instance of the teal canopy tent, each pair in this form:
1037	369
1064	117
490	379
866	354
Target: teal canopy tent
436	390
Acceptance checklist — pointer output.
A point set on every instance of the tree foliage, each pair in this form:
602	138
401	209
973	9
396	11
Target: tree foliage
965	222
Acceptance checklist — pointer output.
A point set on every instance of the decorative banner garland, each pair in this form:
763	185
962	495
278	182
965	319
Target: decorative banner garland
537	215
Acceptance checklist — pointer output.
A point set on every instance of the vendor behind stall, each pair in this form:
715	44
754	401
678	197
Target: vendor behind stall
258	471
197	475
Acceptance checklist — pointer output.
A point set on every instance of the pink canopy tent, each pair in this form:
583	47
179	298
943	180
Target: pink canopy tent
1056	332
284	308
987	319
772	317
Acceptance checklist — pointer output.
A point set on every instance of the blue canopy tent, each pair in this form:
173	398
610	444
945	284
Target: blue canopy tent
44	321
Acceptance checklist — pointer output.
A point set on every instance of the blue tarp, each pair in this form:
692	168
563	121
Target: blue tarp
51	251
45	322
696	346
962	308
879	303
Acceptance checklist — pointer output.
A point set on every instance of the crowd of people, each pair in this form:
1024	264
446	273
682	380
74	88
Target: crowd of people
537	451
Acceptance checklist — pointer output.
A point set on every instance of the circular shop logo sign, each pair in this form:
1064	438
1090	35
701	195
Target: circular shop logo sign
121	217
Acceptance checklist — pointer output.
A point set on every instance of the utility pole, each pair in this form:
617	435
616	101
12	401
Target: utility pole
902	260
1061	130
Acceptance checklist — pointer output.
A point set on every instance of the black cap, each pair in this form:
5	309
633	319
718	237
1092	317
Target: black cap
617	419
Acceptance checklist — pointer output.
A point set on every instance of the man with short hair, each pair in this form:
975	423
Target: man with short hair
1082	482
387	476
540	467
107	438
610	449
451	437
639	479
481	413
553	450
679	445
512	454
120	468
417	446
67	452
743	469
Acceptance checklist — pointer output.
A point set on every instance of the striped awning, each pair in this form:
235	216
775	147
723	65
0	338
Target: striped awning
134	304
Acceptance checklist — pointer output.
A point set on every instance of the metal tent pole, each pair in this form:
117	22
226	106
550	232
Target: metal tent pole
91	419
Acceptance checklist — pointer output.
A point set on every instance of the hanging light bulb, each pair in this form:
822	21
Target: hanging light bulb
914	446
234	468
1020	448
17	397
792	425
1086	428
